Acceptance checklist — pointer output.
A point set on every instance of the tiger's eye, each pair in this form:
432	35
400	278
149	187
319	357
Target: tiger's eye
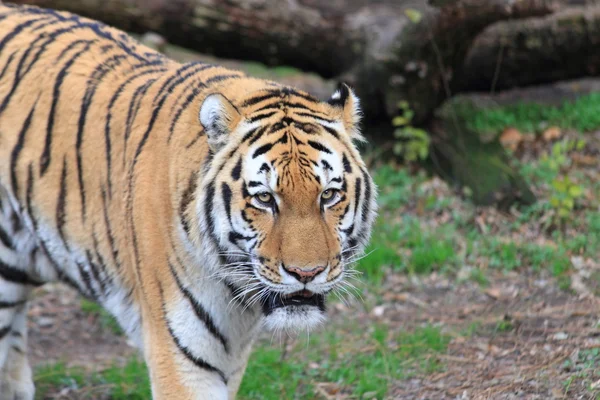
327	195
265	197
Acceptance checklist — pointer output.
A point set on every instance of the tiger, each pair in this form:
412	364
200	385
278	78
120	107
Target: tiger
196	204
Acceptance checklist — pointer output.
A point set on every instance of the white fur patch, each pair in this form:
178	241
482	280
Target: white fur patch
294	319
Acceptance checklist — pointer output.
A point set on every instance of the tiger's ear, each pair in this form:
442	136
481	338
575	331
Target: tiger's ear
219	117
349	105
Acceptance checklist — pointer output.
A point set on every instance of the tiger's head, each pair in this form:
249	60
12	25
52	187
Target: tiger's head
286	199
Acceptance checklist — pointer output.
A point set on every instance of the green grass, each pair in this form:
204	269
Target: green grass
268	377
584	369
128	382
107	321
358	363
406	243
581	115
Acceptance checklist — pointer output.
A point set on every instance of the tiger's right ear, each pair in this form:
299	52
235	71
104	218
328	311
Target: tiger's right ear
219	117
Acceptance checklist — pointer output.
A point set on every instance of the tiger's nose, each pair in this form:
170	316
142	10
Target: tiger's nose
304	275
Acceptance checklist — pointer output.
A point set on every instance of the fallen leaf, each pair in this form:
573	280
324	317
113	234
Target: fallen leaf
552	133
511	138
584	160
494	293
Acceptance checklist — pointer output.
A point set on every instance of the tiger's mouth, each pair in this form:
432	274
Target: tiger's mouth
297	300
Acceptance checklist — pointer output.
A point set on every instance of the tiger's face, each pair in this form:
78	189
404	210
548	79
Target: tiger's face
288	201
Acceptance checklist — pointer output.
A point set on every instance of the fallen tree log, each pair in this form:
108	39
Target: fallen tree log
556	47
388	49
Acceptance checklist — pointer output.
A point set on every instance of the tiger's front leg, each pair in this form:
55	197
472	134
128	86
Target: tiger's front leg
15	373
16	381
194	349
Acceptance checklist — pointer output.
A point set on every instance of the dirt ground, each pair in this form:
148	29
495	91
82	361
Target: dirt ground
533	356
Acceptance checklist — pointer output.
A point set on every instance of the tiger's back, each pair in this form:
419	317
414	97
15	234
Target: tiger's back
119	177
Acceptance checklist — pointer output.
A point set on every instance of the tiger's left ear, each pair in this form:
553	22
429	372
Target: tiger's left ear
349	105
219	117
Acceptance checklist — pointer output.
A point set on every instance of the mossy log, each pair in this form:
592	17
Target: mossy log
481	170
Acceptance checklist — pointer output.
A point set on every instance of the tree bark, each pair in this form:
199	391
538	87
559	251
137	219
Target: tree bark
533	51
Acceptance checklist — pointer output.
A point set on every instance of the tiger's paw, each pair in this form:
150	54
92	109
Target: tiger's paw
16	390
16	385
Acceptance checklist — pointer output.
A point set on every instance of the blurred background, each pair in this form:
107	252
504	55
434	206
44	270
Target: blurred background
482	277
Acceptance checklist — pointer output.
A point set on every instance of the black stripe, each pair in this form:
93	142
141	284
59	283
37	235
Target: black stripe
248	135
87	280
29	195
258	99
366	205
258	135
357	195
237	170
177	77
4	331
197	361
45	159
235	236
14	275
11	304
200	312
265	168
289	91
134	107
101	265
5	239
61	204
95	272
331	131
262	149
17	150
311	115
190	98
319	146
346	163
226	193
186	198
208	206
109	233
7	64
261	116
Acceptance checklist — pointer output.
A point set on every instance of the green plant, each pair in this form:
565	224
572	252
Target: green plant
127	382
580	115
412	143
107	321
51	376
270	377
564	195
430	256
504	325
